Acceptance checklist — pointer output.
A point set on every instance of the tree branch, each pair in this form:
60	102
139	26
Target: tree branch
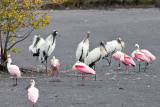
21	39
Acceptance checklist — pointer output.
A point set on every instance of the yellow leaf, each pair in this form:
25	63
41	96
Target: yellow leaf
13	40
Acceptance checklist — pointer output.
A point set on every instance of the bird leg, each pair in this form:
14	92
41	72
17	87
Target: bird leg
16	82
82	80
33	104
57	74
95	78
139	65
109	61
146	64
119	66
126	69
46	65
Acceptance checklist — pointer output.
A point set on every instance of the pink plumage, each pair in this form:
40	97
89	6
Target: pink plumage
13	70
148	54
141	57
117	56
33	92
83	69
127	61
55	64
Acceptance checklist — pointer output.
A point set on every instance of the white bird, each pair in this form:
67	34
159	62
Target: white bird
34	48
96	55
114	46
82	49
48	47
33	92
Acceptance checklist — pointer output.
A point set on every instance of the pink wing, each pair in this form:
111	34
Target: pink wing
83	68
148	54
117	55
14	70
141	57
129	61
33	94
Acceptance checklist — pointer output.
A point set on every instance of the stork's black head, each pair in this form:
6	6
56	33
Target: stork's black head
88	33
54	33
119	40
102	43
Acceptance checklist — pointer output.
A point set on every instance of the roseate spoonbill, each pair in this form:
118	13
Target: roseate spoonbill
32	92
35	47
147	54
96	55
127	61
48	47
83	48
13	70
117	57
114	46
55	64
139	56
83	69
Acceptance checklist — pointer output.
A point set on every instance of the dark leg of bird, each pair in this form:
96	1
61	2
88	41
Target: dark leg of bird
108	61
139	65
119	65
13	81
95	74
33	104
46	65
16	81
146	64
57	74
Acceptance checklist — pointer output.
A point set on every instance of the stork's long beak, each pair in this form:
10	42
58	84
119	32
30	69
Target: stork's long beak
28	87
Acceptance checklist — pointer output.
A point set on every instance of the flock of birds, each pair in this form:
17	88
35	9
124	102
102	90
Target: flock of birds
86	60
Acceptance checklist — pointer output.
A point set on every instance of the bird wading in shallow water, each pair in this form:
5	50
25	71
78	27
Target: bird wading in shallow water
139	56
13	70
112	47
95	55
83	69
83	48
33	92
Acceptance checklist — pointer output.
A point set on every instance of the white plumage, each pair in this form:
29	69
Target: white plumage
114	46
34	48
96	55
82	49
48	47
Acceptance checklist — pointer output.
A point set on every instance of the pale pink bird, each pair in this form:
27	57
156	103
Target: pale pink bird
33	92
13	70
139	56
147	54
55	64
117	56
83	69
127	61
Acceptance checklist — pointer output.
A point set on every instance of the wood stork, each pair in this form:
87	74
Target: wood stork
48	47
96	55
33	92
35	47
83	48
127	61
114	46
13	70
139	56
83	69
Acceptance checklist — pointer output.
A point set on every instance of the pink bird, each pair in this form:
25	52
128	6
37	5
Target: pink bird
55	64
147	54
117	56
33	92
139	56
13	70
83	69
127	61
